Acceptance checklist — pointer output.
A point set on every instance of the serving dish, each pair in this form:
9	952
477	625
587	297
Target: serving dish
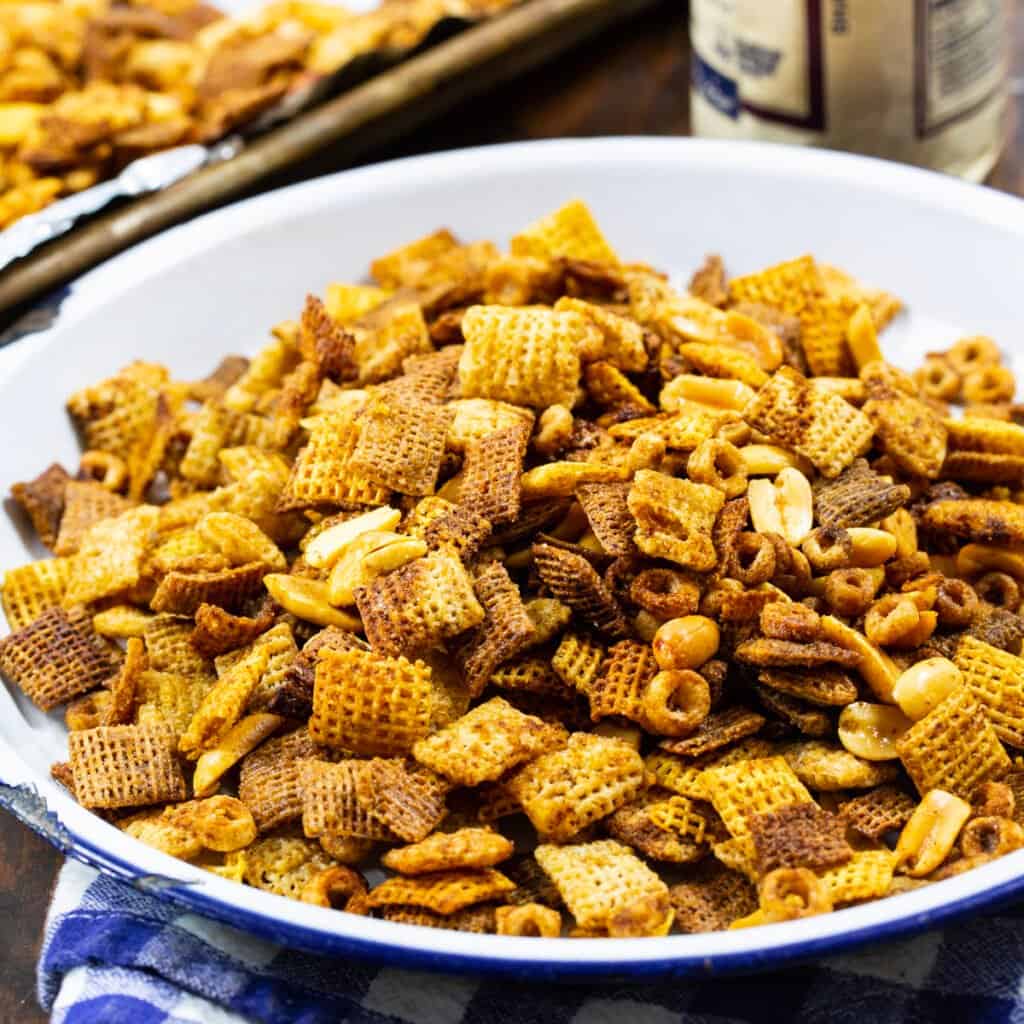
946	248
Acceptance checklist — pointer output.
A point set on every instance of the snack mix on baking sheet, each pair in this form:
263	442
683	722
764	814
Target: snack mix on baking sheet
578	603
87	86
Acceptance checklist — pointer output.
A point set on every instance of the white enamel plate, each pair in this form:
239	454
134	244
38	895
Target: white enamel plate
214	286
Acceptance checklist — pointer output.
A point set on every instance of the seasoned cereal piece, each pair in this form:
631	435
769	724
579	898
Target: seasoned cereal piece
485	743
223	705
577	661
110	556
990	436
403	266
294	697
878	811
712	900
476	418
867	875
181	593
368	703
442	892
169	646
418	606
817	424
796	288
912	433
674	518
214	429
573	580
240	540
740	791
491	474
56	657
505	631
800	835
608	888
269	784
953	748
400	445
708	281
619	686
125	766
570	232
408	799
478	920
976	519
621	340
441	523
766	652
723	363
32	589
524	356
826	687
42	500
661	827
996	680
331	804
86	503
170	699
161	831
279	644
677	775
808	720
121	621
857	497
284	865
609	516
984	468
718	730
218	631
448	851
738	854
531	675
565	791
323	475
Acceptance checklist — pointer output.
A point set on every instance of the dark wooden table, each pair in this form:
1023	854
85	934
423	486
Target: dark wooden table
632	81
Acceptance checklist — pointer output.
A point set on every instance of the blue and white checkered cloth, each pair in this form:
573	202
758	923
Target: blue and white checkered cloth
113	955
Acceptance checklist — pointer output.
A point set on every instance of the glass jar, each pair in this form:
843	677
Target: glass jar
922	81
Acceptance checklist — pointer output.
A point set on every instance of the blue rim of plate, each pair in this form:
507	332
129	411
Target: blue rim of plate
397	944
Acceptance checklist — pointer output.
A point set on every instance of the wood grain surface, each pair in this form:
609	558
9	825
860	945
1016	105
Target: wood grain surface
633	80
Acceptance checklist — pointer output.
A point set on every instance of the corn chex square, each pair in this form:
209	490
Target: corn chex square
486	742
619	686
564	791
524	356
608	888
31	589
370	704
322	474
443	892
110	556
570	232
740	791
954	747
996	680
